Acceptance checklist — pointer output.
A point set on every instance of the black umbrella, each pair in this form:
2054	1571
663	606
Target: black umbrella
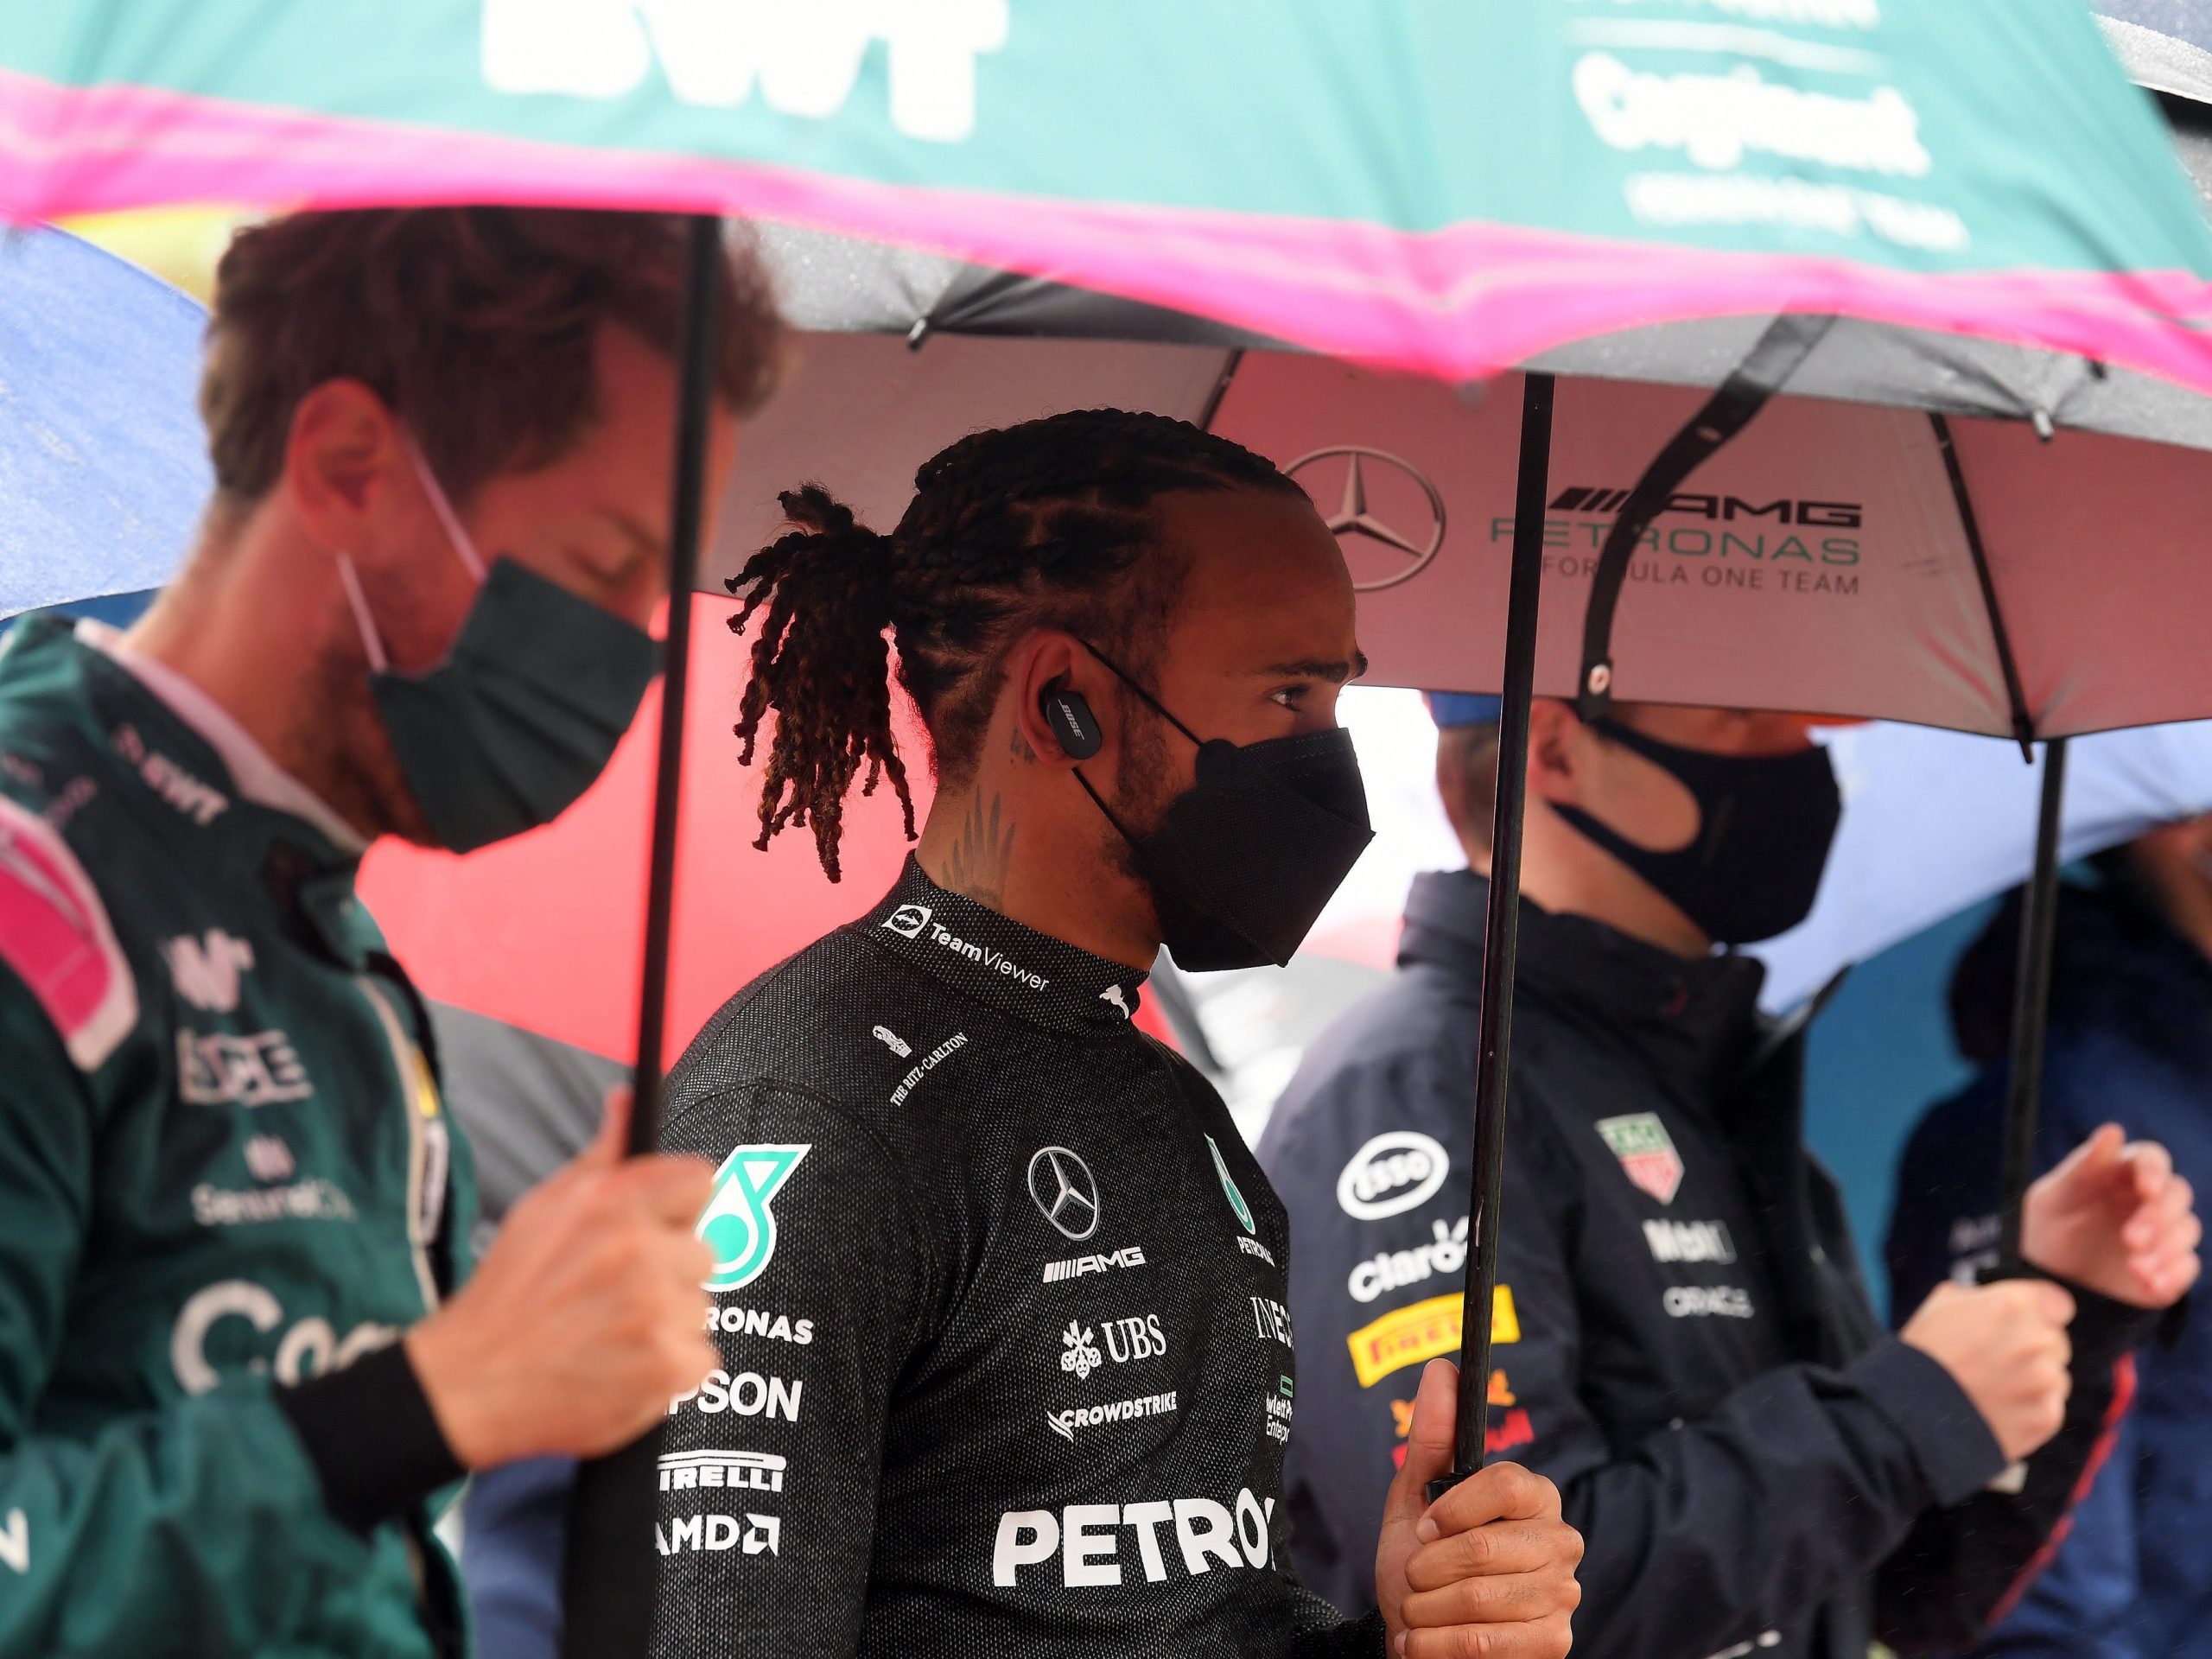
902	352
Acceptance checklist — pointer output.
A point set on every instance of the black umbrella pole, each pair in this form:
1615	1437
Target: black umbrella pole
695	394
610	1575
2031	1012
1501	934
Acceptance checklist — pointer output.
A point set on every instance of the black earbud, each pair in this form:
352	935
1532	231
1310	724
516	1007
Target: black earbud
1074	726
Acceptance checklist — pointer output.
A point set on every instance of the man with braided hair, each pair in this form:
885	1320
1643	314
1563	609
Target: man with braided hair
1000	1294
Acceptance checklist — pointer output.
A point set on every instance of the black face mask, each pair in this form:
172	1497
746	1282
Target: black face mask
1242	861
1764	825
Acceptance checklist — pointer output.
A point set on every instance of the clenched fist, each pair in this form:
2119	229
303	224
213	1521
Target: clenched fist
2005	1345
1488	1568
586	1316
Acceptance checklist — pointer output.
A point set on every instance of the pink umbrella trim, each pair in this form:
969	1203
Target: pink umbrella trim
1468	301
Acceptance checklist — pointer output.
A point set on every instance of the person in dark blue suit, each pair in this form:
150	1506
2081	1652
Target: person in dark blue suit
2131	1043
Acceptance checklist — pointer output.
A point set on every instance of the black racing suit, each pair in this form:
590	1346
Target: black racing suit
1000	1302
1683	1342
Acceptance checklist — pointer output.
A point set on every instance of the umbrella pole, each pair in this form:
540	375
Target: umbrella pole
609	1577
2031	1012
1501	933
694	394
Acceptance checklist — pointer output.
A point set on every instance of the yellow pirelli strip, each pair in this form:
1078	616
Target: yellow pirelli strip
1408	1336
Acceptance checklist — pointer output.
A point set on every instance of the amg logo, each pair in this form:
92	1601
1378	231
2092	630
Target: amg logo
1722	509
683	1471
1129	1255
1689	1241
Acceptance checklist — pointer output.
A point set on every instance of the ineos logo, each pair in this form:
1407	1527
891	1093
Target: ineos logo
1352	516
1397	1171
1061	1185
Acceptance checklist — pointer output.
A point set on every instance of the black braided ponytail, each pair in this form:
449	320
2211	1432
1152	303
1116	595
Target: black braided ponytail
1044	524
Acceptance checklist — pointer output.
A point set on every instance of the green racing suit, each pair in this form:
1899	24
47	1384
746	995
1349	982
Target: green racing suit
227	1184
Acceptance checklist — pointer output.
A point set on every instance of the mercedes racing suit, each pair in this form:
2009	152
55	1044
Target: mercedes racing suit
1682	1340
999	1293
226	1185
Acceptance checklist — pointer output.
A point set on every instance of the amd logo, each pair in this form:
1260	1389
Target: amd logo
1721	509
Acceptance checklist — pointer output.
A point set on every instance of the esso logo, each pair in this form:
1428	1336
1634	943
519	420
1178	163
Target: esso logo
1392	1174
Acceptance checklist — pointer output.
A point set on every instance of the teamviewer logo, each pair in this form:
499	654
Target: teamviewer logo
908	920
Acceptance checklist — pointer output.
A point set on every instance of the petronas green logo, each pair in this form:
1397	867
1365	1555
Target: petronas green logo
737	1221
1229	1186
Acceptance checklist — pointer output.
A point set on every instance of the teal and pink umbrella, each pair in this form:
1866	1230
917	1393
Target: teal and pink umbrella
1425	185
1429	184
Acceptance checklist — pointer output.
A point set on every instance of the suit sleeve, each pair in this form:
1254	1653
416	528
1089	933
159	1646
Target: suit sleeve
212	1504
1710	1530
766	1514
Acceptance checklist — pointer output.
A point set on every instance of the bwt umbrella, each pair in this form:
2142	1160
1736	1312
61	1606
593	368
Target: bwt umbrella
1439	188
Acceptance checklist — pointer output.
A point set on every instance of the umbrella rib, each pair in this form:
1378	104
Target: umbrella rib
2023	725
1229	367
1788	340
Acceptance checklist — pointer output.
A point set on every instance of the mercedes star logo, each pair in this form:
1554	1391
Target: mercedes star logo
1352	516
1060	1183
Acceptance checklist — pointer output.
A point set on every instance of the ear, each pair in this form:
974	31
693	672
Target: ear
340	456
1046	662
1558	742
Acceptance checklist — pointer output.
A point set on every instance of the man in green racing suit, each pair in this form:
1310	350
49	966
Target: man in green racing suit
234	1369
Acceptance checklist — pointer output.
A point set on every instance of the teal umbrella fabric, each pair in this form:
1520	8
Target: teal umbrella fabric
1430	184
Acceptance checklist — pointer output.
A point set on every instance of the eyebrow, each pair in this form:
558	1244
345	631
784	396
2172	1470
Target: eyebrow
1314	668
636	531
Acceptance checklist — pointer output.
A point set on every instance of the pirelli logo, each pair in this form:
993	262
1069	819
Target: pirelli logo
683	1471
1423	1330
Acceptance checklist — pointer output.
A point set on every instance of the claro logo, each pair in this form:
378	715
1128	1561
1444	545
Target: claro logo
1397	1171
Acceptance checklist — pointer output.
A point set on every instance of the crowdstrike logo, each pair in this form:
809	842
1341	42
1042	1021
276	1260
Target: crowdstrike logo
1092	1540
803	60
1064	1423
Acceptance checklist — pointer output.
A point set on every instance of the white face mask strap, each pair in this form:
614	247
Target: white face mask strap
456	536
350	579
